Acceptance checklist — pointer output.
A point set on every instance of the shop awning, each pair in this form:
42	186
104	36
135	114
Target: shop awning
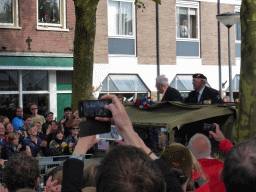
35	62
129	83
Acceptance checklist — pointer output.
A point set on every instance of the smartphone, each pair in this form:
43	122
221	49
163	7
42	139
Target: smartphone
94	108
112	135
209	127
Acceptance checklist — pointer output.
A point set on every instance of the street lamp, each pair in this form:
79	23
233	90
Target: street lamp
229	19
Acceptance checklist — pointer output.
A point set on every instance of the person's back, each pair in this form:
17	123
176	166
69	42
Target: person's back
239	171
127	168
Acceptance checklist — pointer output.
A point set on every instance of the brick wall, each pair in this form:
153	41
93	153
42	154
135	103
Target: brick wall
101	39
53	41
209	34
146	33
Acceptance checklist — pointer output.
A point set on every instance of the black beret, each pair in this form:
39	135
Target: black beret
199	75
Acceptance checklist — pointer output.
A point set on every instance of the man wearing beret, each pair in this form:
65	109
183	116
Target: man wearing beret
202	93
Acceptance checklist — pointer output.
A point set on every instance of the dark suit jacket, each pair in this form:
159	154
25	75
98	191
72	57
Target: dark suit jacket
208	94
172	94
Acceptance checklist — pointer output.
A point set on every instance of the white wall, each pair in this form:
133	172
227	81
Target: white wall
148	73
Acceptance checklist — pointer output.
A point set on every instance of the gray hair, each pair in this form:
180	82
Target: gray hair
162	80
200	146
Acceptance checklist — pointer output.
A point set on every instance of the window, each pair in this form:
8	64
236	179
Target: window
238	30
120	18
51	15
121	28
9	17
187	24
238	34
21	88
187	29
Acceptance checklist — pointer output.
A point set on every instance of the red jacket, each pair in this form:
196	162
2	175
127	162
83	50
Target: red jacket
225	145
203	188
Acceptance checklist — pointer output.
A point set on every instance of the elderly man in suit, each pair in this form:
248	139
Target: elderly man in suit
202	93
169	93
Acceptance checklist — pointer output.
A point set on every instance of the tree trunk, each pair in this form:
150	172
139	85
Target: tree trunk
246	122
83	50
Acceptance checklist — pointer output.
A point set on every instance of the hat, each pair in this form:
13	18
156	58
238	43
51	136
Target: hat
67	109
47	113
178	156
199	75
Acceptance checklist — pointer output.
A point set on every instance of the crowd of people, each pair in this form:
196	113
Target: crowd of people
129	166
132	166
42	135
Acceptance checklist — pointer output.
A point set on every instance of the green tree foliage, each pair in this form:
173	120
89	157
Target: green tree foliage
246	122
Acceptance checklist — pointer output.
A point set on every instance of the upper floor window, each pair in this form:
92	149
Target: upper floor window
9	14
51	15
238	30
120	18
238	26
187	20
187	29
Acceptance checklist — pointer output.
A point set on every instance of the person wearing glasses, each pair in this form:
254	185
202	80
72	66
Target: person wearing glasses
35	116
72	139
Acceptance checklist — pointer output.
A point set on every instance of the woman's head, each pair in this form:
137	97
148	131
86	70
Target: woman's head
32	130
4	120
13	138
2	129
75	130
8	128
54	125
76	121
38	125
59	134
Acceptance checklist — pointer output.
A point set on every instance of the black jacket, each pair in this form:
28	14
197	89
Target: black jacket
172	94
208	94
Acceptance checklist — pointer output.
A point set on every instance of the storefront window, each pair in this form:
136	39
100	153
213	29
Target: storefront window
8	105
41	101
34	80
9	81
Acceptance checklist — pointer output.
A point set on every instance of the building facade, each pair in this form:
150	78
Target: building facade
36	52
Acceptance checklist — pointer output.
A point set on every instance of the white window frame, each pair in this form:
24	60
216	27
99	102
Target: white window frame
133	22
54	27
15	16
188	4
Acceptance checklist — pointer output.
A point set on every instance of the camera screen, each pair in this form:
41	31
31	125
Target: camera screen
95	108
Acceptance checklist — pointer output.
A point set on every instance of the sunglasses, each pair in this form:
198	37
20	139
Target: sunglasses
33	108
76	128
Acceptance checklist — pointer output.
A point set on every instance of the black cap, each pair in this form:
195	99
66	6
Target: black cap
67	109
47	113
199	75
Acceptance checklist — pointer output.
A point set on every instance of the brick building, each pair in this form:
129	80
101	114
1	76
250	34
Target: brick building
36	52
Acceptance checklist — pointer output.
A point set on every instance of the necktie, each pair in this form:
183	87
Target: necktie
197	96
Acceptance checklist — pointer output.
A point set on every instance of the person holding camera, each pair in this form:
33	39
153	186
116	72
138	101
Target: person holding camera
135	161
200	146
